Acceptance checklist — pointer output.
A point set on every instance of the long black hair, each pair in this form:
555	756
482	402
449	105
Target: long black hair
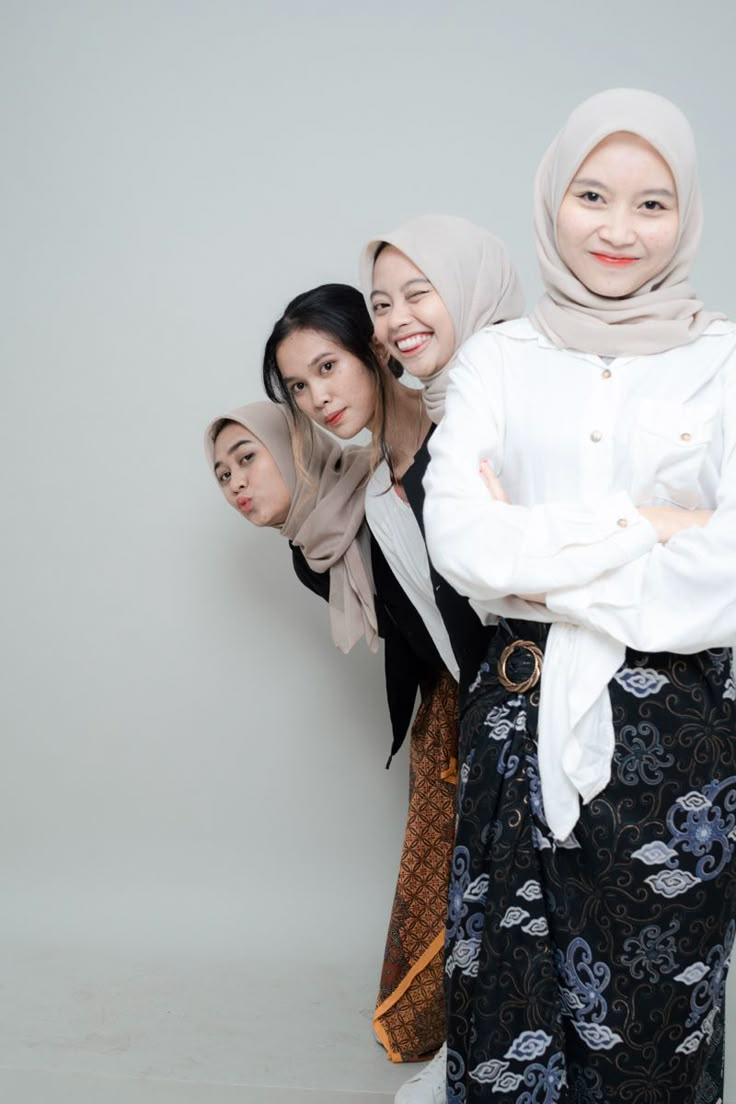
340	312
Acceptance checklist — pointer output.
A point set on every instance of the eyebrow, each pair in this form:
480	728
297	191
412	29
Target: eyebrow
586	182
232	449
414	280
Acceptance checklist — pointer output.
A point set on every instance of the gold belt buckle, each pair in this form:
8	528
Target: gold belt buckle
528	683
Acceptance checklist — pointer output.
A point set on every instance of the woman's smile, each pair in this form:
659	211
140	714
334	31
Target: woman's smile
414	343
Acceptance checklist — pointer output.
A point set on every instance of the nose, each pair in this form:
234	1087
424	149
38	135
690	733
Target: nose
397	316
238	480
618	228
320	392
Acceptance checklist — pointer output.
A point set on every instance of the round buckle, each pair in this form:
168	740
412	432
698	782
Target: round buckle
533	679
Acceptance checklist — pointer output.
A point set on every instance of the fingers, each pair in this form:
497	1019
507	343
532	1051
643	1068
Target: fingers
492	482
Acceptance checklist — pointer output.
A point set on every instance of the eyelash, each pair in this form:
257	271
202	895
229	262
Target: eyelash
379	308
244	459
298	387
592	197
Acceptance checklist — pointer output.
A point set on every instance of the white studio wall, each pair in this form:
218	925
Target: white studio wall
198	840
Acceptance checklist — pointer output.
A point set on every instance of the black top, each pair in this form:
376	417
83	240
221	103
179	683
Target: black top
411	660
468	636
317	582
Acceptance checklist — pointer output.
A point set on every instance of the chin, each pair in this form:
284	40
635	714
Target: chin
420	371
345	432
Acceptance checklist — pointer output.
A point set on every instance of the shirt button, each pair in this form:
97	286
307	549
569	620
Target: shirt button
623	522
685	436
596	436
606	373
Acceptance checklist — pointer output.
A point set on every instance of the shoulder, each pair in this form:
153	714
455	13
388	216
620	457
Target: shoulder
714	351
493	353
519	329
720	327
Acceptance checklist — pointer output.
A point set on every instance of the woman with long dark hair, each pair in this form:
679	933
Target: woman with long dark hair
420	317
322	360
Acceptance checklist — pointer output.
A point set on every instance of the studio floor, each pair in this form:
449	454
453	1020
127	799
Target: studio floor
81	1027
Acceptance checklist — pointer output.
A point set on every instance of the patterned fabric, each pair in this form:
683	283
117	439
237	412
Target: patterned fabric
410	1013
594	971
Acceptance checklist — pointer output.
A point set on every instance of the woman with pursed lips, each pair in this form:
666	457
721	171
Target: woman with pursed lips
582	494
251	451
323	362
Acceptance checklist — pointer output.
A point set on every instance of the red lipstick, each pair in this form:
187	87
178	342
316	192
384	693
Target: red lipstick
609	259
333	419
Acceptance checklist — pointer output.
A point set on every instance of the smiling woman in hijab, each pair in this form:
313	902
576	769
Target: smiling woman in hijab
582	493
430	284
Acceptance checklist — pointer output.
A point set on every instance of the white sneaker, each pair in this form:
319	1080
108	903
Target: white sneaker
429	1086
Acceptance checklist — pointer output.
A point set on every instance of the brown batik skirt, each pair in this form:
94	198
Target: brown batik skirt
409	1019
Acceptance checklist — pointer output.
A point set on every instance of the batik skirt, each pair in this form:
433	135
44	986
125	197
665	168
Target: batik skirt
594	971
410	1011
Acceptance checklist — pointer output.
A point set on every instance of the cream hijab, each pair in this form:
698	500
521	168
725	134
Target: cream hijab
664	312
470	269
326	516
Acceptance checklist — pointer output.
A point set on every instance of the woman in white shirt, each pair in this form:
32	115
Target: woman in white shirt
582	490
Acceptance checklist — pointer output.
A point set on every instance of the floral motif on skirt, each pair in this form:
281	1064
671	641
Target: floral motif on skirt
594	971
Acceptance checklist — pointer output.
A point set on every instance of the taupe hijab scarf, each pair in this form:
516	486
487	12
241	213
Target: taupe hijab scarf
664	312
471	271
326	516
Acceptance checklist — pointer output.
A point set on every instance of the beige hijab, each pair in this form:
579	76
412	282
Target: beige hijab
471	271
664	312
326	516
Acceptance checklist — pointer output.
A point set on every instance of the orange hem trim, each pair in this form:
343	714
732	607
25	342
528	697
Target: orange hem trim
423	961
450	774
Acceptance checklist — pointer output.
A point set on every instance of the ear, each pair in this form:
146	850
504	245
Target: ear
381	351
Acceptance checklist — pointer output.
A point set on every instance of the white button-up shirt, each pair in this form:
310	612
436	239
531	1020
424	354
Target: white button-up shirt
579	443
392	522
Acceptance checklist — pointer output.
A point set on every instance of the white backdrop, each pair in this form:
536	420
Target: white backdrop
189	768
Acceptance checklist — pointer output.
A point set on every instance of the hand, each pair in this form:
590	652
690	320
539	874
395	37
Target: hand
669	520
493	483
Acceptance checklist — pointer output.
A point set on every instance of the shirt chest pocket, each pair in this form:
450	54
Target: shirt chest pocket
669	448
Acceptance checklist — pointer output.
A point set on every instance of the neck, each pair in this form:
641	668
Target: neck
407	423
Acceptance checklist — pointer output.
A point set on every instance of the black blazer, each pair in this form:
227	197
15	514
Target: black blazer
411	662
468	636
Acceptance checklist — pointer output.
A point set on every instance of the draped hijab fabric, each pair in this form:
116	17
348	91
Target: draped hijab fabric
471	271
665	311
326	516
